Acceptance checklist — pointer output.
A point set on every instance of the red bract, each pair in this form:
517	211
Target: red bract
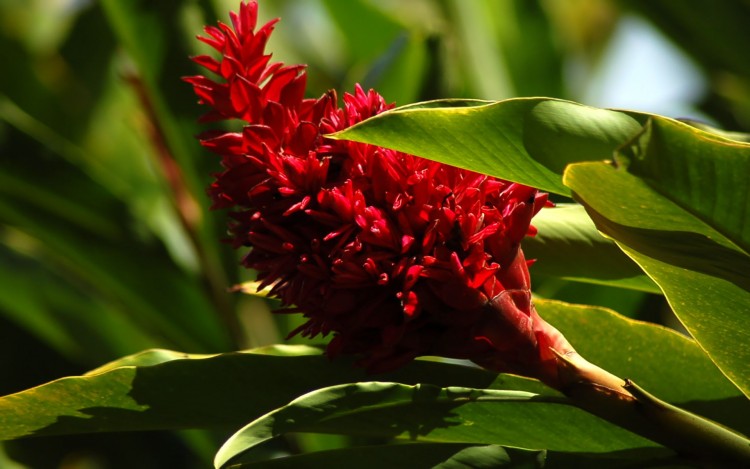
396	255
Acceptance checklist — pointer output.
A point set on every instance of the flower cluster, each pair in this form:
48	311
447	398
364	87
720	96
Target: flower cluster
395	255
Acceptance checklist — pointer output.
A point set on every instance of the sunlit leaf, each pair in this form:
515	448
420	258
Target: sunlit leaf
525	140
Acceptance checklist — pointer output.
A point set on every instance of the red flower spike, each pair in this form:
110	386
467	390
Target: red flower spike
397	256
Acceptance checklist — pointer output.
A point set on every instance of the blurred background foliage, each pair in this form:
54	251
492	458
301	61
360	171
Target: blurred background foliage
107	243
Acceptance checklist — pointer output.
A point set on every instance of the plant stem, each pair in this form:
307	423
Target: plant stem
625	404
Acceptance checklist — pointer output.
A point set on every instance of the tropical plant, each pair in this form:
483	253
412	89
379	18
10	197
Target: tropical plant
399	232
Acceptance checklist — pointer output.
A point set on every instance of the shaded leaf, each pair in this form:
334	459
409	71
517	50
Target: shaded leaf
405	456
628	302
640	458
162	389
463	456
569	246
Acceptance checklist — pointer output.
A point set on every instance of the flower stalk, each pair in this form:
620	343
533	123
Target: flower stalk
627	405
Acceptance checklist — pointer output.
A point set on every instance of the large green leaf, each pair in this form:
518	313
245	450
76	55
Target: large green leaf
676	202
525	140
702	172
430	413
569	246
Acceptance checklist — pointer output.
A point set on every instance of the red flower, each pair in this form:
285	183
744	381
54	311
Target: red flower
396	255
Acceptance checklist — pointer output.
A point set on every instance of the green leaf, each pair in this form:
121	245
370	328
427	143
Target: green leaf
703	172
486	457
405	456
165	390
431	413
676	202
569	246
628	302
162	389
728	134
525	140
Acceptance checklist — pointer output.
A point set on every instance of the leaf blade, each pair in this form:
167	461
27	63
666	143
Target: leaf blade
152	390
222	390
507	139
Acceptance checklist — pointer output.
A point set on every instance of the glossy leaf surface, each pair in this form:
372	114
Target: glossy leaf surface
525	140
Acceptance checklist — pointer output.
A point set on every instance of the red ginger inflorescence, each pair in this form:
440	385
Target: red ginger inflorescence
396	255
